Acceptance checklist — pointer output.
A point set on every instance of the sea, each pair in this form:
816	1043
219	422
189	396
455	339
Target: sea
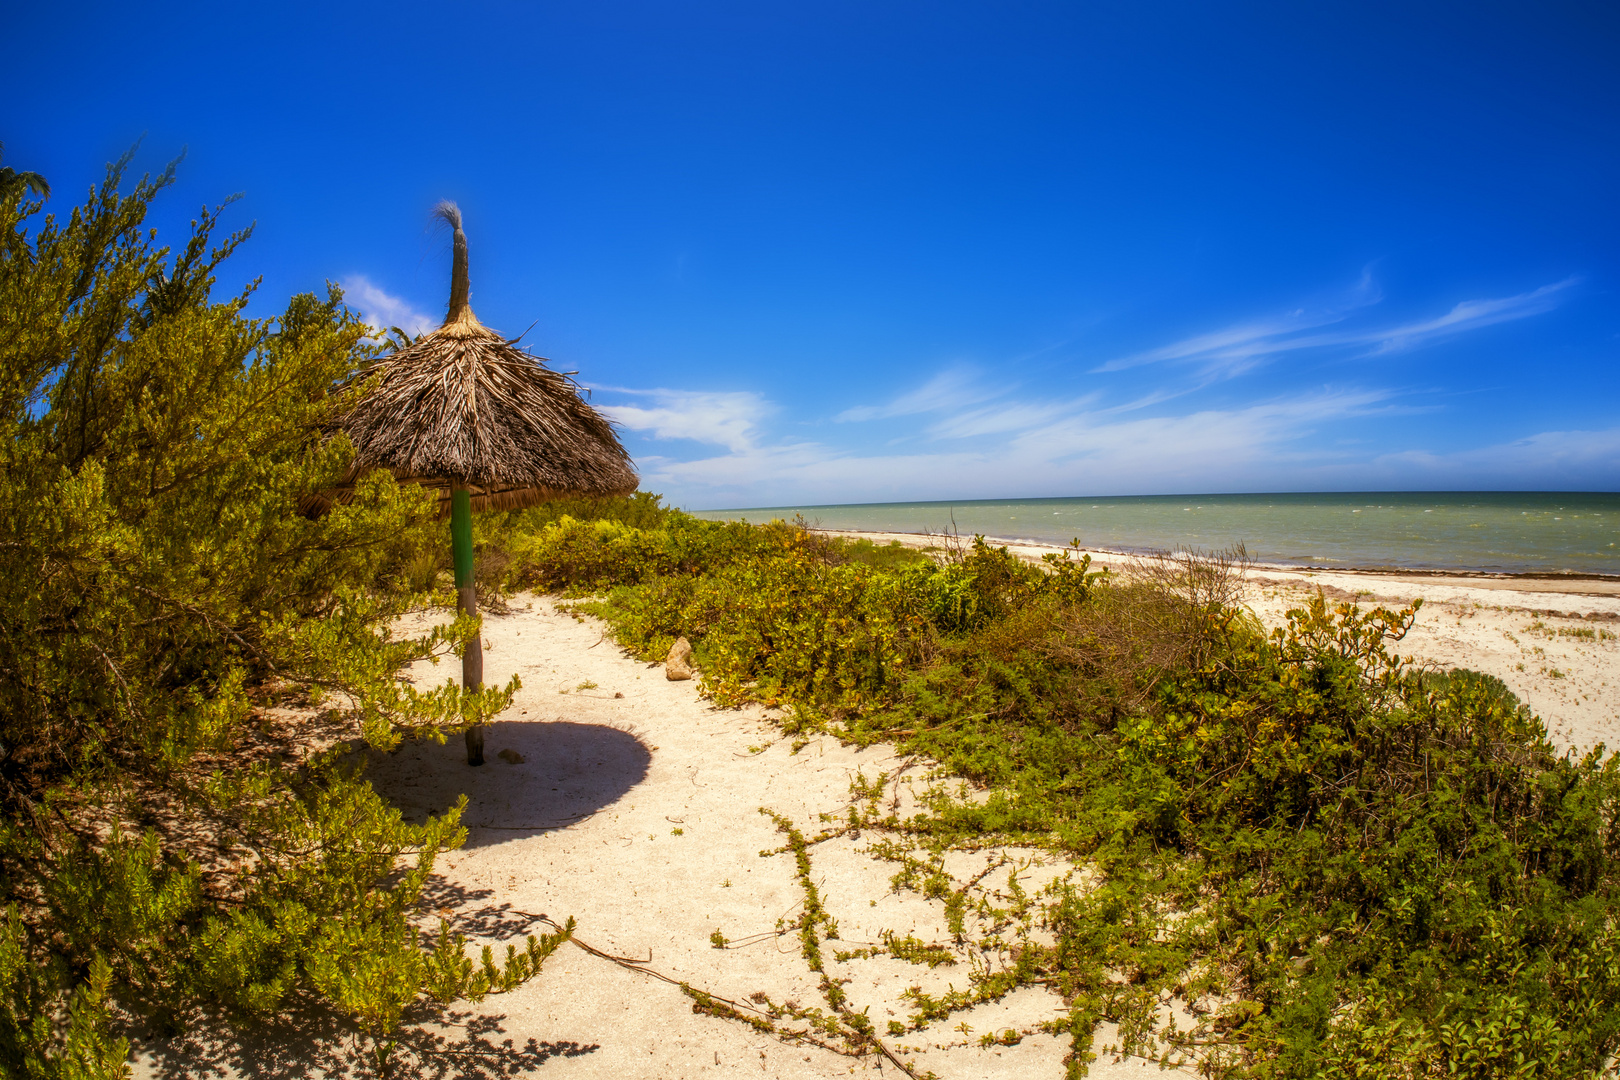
1512	532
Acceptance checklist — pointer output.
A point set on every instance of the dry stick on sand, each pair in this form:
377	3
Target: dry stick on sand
736	1010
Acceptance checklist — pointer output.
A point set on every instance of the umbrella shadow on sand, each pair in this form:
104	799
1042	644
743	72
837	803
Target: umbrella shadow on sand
569	771
557	773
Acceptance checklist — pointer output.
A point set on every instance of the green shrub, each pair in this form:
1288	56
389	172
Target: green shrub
157	590
1342	865
891	556
1303	829
780	613
1461	679
774	617
640	509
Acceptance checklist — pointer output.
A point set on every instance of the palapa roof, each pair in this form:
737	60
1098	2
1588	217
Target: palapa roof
463	406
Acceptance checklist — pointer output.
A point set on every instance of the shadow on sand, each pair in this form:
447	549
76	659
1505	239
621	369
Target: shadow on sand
569	771
320	1046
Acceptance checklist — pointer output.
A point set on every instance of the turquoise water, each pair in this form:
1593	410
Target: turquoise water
1509	532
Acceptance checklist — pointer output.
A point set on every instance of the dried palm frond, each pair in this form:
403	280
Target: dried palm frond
465	407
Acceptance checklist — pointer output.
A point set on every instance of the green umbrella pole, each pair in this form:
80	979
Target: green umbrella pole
472	661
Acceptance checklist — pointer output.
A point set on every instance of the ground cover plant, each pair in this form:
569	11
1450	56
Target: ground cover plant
1303	855
185	662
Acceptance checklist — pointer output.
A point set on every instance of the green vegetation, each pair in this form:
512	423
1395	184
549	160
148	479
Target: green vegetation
1335	864
1295	855
185	663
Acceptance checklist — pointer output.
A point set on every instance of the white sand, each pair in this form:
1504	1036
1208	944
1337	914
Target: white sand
587	826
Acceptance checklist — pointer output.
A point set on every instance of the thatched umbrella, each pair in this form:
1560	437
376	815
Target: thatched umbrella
467	412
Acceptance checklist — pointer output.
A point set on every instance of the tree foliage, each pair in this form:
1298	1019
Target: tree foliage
17	183
161	604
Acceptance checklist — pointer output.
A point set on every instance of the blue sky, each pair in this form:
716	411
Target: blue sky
851	252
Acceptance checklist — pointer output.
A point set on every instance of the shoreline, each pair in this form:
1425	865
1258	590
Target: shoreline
1555	536
1567	582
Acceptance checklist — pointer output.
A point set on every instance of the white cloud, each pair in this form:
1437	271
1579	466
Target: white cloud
1221	348
1262	446
1067	449
961	394
1236	349
1222	437
1000	419
1573	460
382	309
985	439
950	389
725	419
1471	315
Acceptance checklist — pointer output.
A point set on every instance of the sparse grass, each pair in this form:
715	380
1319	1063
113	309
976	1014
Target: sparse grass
891	556
1582	633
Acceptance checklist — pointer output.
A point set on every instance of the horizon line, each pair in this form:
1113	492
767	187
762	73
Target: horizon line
1162	495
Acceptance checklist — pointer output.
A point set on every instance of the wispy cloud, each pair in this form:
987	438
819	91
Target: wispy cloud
1236	349
1228	436
1470	315
383	309
725	419
809	474
1233	349
951	389
1275	444
969	406
1559	459
1001	419
1052	449
972	435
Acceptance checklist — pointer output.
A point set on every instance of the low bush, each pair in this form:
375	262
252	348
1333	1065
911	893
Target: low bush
165	845
1341	865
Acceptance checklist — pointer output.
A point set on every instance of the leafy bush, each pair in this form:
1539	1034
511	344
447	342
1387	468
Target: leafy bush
781	613
157	590
891	556
1343	865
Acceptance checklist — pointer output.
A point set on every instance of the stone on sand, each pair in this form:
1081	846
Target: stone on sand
679	664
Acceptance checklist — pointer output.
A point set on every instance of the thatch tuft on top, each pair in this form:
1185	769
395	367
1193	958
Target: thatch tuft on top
465	407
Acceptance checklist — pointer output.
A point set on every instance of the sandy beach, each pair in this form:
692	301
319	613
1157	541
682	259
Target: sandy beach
638	815
631	804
